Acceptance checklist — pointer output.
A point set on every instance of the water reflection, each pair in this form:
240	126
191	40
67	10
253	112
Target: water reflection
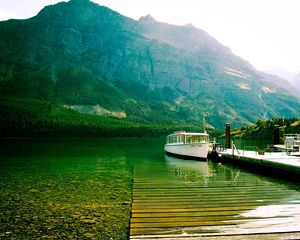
189	170
200	167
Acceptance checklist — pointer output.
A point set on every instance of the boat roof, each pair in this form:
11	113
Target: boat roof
188	133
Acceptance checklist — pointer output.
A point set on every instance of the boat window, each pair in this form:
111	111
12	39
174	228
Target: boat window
196	139
175	139
187	139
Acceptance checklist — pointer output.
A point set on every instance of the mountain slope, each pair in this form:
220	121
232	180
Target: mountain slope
296	81
283	79
80	53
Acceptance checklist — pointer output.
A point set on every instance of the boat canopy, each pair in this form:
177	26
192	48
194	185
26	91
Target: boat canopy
188	133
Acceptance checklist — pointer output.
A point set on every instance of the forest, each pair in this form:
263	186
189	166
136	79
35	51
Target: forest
30	117
264	128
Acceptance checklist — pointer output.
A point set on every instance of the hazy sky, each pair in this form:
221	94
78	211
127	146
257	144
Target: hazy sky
264	32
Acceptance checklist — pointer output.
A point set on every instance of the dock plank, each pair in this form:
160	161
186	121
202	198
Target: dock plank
189	218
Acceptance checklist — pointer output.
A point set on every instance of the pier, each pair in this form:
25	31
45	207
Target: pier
279	162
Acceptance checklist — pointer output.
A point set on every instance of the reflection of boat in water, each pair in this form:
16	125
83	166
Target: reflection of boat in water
188	144
189	165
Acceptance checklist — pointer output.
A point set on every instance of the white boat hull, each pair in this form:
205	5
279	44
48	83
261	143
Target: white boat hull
194	150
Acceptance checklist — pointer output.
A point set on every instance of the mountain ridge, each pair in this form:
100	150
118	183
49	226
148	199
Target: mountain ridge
80	53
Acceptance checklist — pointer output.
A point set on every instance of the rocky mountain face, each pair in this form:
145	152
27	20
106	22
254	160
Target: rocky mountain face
78	53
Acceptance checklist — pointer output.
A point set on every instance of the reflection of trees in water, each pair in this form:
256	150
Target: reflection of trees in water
211	174
234	176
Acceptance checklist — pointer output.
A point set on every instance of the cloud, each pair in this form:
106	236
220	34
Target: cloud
5	15
17	9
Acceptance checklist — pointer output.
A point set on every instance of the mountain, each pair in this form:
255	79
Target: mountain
296	81
282	73
284	79
80	55
284	83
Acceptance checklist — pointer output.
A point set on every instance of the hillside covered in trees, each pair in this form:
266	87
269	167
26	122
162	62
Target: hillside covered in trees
264	129
29	117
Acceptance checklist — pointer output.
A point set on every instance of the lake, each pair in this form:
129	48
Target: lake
85	189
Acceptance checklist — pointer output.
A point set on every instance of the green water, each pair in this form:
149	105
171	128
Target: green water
82	188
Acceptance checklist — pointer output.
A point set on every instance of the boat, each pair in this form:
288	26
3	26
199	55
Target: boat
187	145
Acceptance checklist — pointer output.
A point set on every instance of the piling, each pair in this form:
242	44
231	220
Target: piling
227	136
276	134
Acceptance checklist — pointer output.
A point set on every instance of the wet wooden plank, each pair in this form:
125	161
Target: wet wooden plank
200	199
182	224
199	205
210	195
190	186
213	230
205	197
206	193
214	199
204	211
213	189
255	235
157	219
209	189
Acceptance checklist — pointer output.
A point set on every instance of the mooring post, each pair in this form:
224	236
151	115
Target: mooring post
276	134
214	148
227	136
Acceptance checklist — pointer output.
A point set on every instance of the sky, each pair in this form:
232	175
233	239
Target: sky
266	33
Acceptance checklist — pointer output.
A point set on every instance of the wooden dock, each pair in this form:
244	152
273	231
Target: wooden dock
279	161
199	204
